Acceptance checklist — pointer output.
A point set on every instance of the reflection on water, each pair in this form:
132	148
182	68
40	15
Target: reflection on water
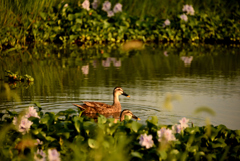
203	76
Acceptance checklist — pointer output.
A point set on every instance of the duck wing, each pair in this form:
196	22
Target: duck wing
95	107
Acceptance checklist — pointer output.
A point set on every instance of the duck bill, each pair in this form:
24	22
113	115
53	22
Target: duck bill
125	94
135	117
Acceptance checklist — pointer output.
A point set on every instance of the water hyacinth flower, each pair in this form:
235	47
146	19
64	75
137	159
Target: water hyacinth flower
40	155
106	6
146	140
184	122
166	23
117	8
189	9
184	17
24	125
66	5
53	155
165	135
95	4
177	128
110	13
31	112
86	5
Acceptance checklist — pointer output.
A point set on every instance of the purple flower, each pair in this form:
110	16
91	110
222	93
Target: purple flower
24	124
53	155
146	140
166	23
86	5
95	4
117	8
106	6
31	113
189	9
184	17
165	135
177	128
40	155
110	13
184	122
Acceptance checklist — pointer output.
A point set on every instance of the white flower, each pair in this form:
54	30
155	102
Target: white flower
146	140
106	6
165	134
86	5
66	5
24	125
95	4
53	155
189	9
184	17
110	13
117	8
184	122
40	155
31	113
166	23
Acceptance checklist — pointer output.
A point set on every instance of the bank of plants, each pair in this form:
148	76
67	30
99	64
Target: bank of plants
69	135
97	22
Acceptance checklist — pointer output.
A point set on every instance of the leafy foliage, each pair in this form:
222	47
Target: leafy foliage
71	23
81	138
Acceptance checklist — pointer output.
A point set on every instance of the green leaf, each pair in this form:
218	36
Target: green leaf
71	17
93	143
137	154
77	123
102	119
136	126
43	15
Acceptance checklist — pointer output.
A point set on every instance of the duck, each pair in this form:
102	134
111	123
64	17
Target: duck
102	108
128	113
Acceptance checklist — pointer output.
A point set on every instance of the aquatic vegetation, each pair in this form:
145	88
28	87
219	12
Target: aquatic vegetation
66	135
68	23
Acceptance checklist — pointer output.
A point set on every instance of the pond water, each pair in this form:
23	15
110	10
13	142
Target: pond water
192	75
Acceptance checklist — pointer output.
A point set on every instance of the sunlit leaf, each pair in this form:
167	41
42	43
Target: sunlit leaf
204	109
93	143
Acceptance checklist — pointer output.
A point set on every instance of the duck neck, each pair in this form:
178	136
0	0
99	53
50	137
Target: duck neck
116	102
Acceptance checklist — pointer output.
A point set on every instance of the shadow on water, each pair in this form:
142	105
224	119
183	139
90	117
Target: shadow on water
201	74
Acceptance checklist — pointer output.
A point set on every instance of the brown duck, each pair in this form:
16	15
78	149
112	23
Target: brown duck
102	108
128	113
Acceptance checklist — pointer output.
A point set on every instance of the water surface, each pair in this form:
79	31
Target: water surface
203	75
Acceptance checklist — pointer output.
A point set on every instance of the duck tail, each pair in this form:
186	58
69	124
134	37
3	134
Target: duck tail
79	106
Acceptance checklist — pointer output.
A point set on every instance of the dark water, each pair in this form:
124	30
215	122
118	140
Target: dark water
202	75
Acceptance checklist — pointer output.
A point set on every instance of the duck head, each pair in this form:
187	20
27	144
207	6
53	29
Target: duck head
119	91
128	113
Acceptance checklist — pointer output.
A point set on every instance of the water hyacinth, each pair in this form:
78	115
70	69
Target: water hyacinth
86	5
166	23
117	8
110	13
184	17
24	125
40	155
184	122
189	9
165	135
106	6
95	4
146	140
53	155
177	128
